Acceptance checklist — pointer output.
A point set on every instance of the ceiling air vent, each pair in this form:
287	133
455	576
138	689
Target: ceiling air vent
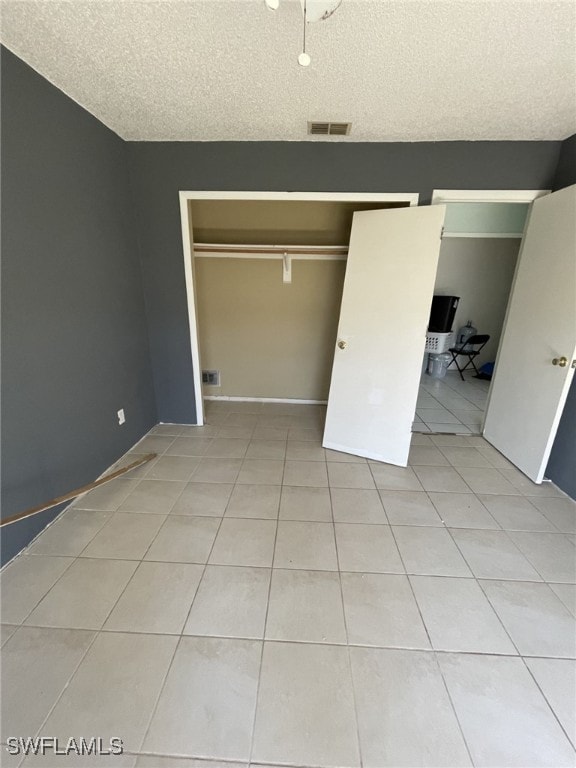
329	129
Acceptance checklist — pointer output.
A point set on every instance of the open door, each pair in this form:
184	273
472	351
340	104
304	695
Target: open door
536	359
390	274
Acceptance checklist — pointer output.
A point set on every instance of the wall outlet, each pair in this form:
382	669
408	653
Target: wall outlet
121	416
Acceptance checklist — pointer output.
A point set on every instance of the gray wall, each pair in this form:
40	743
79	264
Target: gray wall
160	170
562	464
74	340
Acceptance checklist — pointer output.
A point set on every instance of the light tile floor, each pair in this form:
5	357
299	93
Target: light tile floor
450	404
249	598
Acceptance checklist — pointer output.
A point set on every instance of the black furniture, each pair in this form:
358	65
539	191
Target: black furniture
470	349
442	313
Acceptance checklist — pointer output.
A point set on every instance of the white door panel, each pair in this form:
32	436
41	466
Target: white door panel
528	392
390	274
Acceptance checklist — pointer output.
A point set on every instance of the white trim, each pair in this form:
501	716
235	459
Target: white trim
440	196
494	235
293	400
351	197
191	304
187	243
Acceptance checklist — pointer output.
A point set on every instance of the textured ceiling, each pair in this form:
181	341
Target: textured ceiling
400	70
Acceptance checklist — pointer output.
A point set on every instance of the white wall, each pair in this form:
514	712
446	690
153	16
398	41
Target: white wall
480	271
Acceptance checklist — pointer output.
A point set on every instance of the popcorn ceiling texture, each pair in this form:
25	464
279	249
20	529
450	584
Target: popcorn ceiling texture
400	70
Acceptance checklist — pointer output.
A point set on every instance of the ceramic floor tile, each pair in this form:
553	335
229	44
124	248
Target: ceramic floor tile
167	430
551	554
421	440
227	448
309	546
207	704
346	458
454	441
341	475
25	581
429	551
561	512
305	606
409	508
184	539
456	427
157	599
492	555
367	548
231	602
149	761
305	450
241	433
189	446
108	497
355	505
217	471
465	457
156	496
524	485
126	536
381	610
557	681
436	416
567	594
316	688
260	501
458	616
70	533
311	474
392	478
405	717
118	671
154	444
426	455
515	513
305	433
6	632
462	510
441	479
84	596
267	449
536	620
242	541
261	472
305	504
203	499
173	468
36	665
269	433
483	480
504	717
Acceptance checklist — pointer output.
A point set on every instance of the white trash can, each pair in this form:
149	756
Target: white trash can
438	364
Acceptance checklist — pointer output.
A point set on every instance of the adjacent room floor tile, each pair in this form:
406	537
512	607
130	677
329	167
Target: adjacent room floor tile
313	722
207	704
409	508
25	581
84	596
535	618
114	690
157	598
505	719
126	536
6	632
203	499
231	602
305	606
261	501
381	610
367	548
70	533
41	660
458	616
557	681
354	505
242	541
157	496
305	545
567	594
305	504
429	551
551	554
465	457
462	510
405	717
492	555
184	539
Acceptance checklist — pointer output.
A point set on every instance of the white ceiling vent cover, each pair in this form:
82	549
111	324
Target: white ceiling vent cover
317	128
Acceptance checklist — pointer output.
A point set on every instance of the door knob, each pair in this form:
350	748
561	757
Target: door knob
342	344
561	361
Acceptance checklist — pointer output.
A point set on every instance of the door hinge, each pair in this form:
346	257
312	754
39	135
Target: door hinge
442	233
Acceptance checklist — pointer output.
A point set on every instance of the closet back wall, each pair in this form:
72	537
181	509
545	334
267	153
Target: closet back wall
268	338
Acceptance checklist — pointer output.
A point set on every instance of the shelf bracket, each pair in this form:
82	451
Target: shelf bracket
286	268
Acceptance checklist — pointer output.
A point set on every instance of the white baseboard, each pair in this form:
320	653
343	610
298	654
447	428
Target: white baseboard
292	400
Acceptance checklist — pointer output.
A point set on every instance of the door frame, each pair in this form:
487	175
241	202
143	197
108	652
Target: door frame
188	250
443	196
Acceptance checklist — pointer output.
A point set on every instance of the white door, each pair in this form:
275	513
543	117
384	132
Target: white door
390	274
529	391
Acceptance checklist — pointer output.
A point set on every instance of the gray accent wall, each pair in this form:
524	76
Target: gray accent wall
74	336
160	170
562	464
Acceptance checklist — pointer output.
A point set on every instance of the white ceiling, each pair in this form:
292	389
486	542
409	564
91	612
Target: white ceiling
400	70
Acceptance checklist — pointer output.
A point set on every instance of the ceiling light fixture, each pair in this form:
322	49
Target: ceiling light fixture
312	10
304	59
272	5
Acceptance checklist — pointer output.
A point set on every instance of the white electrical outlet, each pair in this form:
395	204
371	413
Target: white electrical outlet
121	416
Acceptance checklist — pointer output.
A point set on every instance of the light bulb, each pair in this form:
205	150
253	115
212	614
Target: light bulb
272	5
304	60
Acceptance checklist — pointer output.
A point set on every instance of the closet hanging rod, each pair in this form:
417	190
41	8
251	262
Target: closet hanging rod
311	251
